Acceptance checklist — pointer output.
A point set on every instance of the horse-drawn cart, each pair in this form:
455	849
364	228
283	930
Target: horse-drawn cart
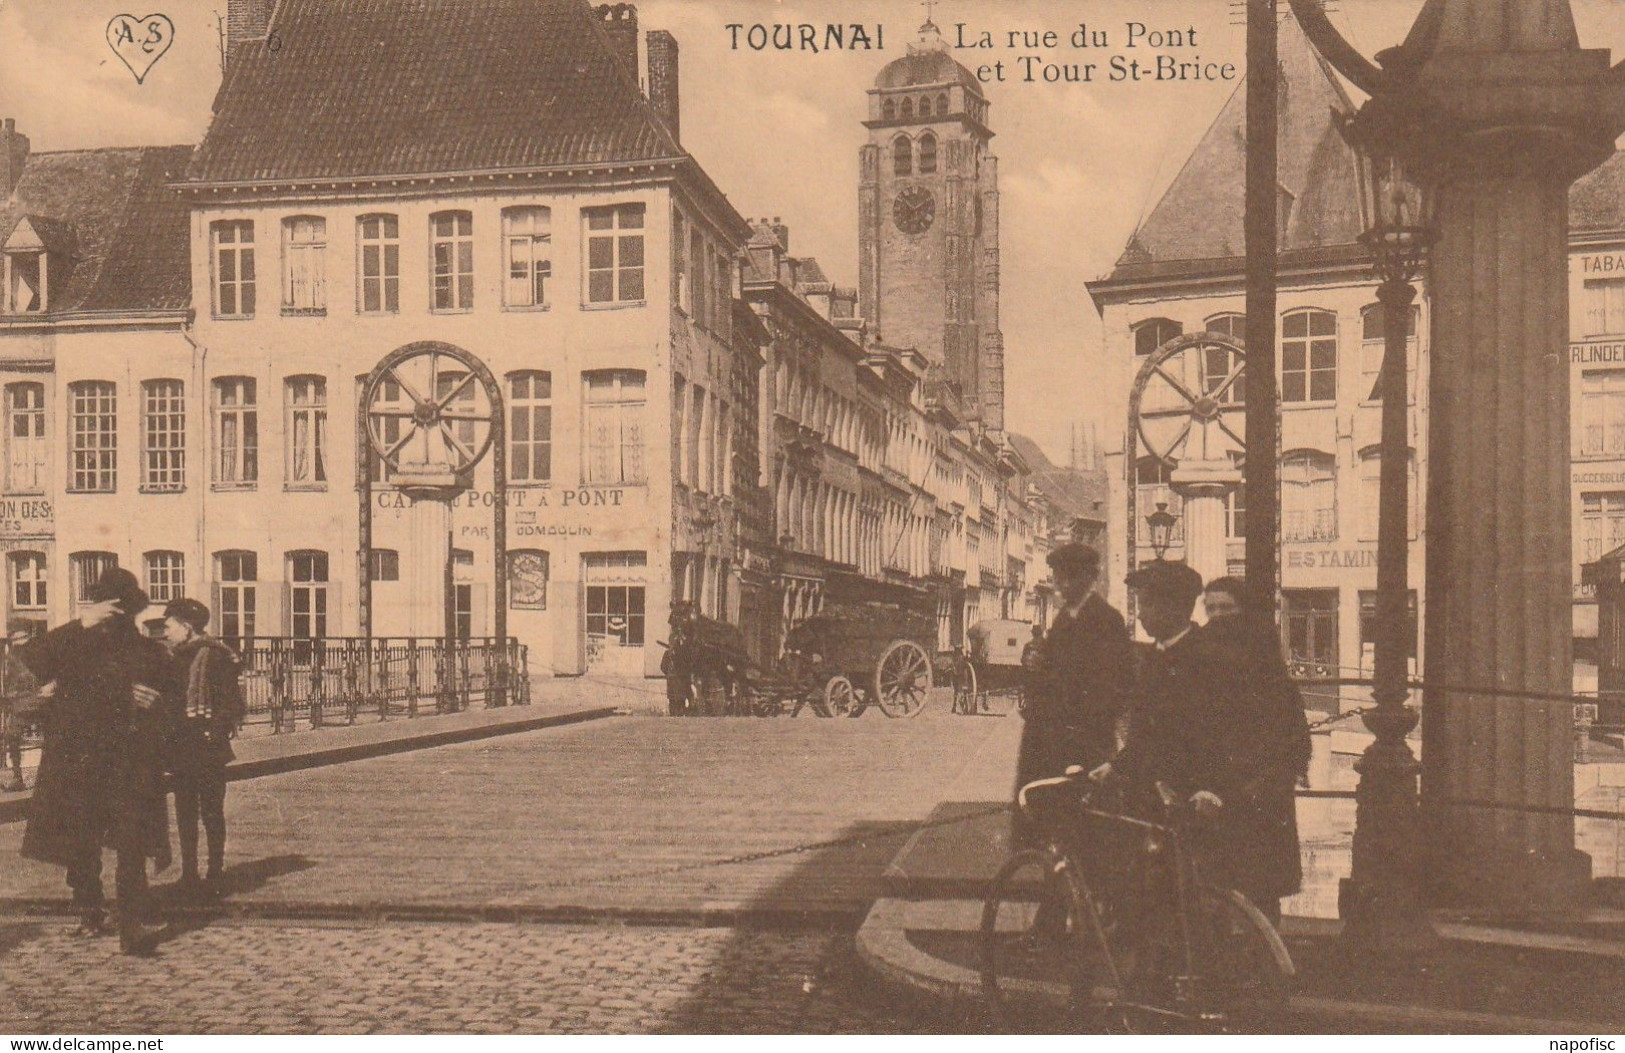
990	671
855	655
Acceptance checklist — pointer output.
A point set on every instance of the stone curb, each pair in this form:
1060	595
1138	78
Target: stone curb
885	949
322	755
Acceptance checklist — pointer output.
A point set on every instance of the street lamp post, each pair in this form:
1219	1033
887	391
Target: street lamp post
1161	523
1381	902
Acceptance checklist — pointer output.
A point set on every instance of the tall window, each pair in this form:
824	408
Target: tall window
26	451
1308	496
1309	356
462	593
236	576
1602	523
390	397
680	288
527	579
452	243
1368	631
378	264
1153	333
696	436
902	153
1235	512
928	153
1309	623
1602	412
1372	349
722	281
27	583
163	436
528	234
307	595
702	288
530	427
1371	494
166	576
614	254
86	569
304	265
233	255
679	430
456	389
93	436
1151	488
1218	363
888	109
1605	306
236	431
615	405
306	429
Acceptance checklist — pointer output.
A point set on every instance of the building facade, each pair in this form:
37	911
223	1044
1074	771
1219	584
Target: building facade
1182	273
192	345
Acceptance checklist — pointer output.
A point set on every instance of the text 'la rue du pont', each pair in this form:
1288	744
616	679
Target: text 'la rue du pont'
1150	54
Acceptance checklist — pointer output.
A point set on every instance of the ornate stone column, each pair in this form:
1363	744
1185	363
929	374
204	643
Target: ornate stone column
1503	111
1203	486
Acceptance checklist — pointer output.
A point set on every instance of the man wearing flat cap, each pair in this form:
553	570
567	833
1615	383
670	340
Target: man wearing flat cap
100	777
1079	676
1207	725
205	708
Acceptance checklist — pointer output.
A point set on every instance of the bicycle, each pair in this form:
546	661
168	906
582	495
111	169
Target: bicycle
1050	939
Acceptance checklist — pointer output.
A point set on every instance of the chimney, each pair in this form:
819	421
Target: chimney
662	48
246	21
620	22
13	156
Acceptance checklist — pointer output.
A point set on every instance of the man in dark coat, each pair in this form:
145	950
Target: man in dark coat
100	778
204	703
1078	677
1210	723
1232	622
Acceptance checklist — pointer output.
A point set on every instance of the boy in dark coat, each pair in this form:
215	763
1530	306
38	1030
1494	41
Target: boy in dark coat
1210	722
204	705
1078	677
100	777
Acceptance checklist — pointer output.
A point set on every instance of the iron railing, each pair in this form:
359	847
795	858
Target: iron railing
335	680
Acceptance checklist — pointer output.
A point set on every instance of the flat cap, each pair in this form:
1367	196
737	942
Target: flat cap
190	611
1167	577
1073	556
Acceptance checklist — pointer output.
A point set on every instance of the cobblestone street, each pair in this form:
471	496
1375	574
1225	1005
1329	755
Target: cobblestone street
234	977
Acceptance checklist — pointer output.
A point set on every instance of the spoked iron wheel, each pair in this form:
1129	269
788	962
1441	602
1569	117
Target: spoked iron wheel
429	417
839	697
902	679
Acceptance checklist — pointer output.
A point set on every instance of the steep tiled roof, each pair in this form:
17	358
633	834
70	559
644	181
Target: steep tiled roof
407	87
1074	492
1597	201
1200	215
128	232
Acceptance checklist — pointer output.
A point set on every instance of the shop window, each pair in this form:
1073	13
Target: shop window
1309	623
1602	524
1602	412
1604	306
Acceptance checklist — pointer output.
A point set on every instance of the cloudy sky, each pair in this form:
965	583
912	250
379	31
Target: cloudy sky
1080	164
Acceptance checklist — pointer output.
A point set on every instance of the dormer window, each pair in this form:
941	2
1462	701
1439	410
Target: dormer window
26	269
25	282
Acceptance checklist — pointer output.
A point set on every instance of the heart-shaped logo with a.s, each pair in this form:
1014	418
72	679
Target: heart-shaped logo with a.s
139	42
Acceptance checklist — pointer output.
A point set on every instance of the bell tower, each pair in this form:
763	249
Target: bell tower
928	225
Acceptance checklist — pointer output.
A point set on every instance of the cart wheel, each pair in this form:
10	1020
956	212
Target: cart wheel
902	679
840	700
964	687
860	700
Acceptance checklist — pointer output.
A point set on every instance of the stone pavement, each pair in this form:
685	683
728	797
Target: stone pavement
243	977
629	814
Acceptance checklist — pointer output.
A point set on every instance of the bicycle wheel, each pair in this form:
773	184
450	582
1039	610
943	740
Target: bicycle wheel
1245	968
1041	947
